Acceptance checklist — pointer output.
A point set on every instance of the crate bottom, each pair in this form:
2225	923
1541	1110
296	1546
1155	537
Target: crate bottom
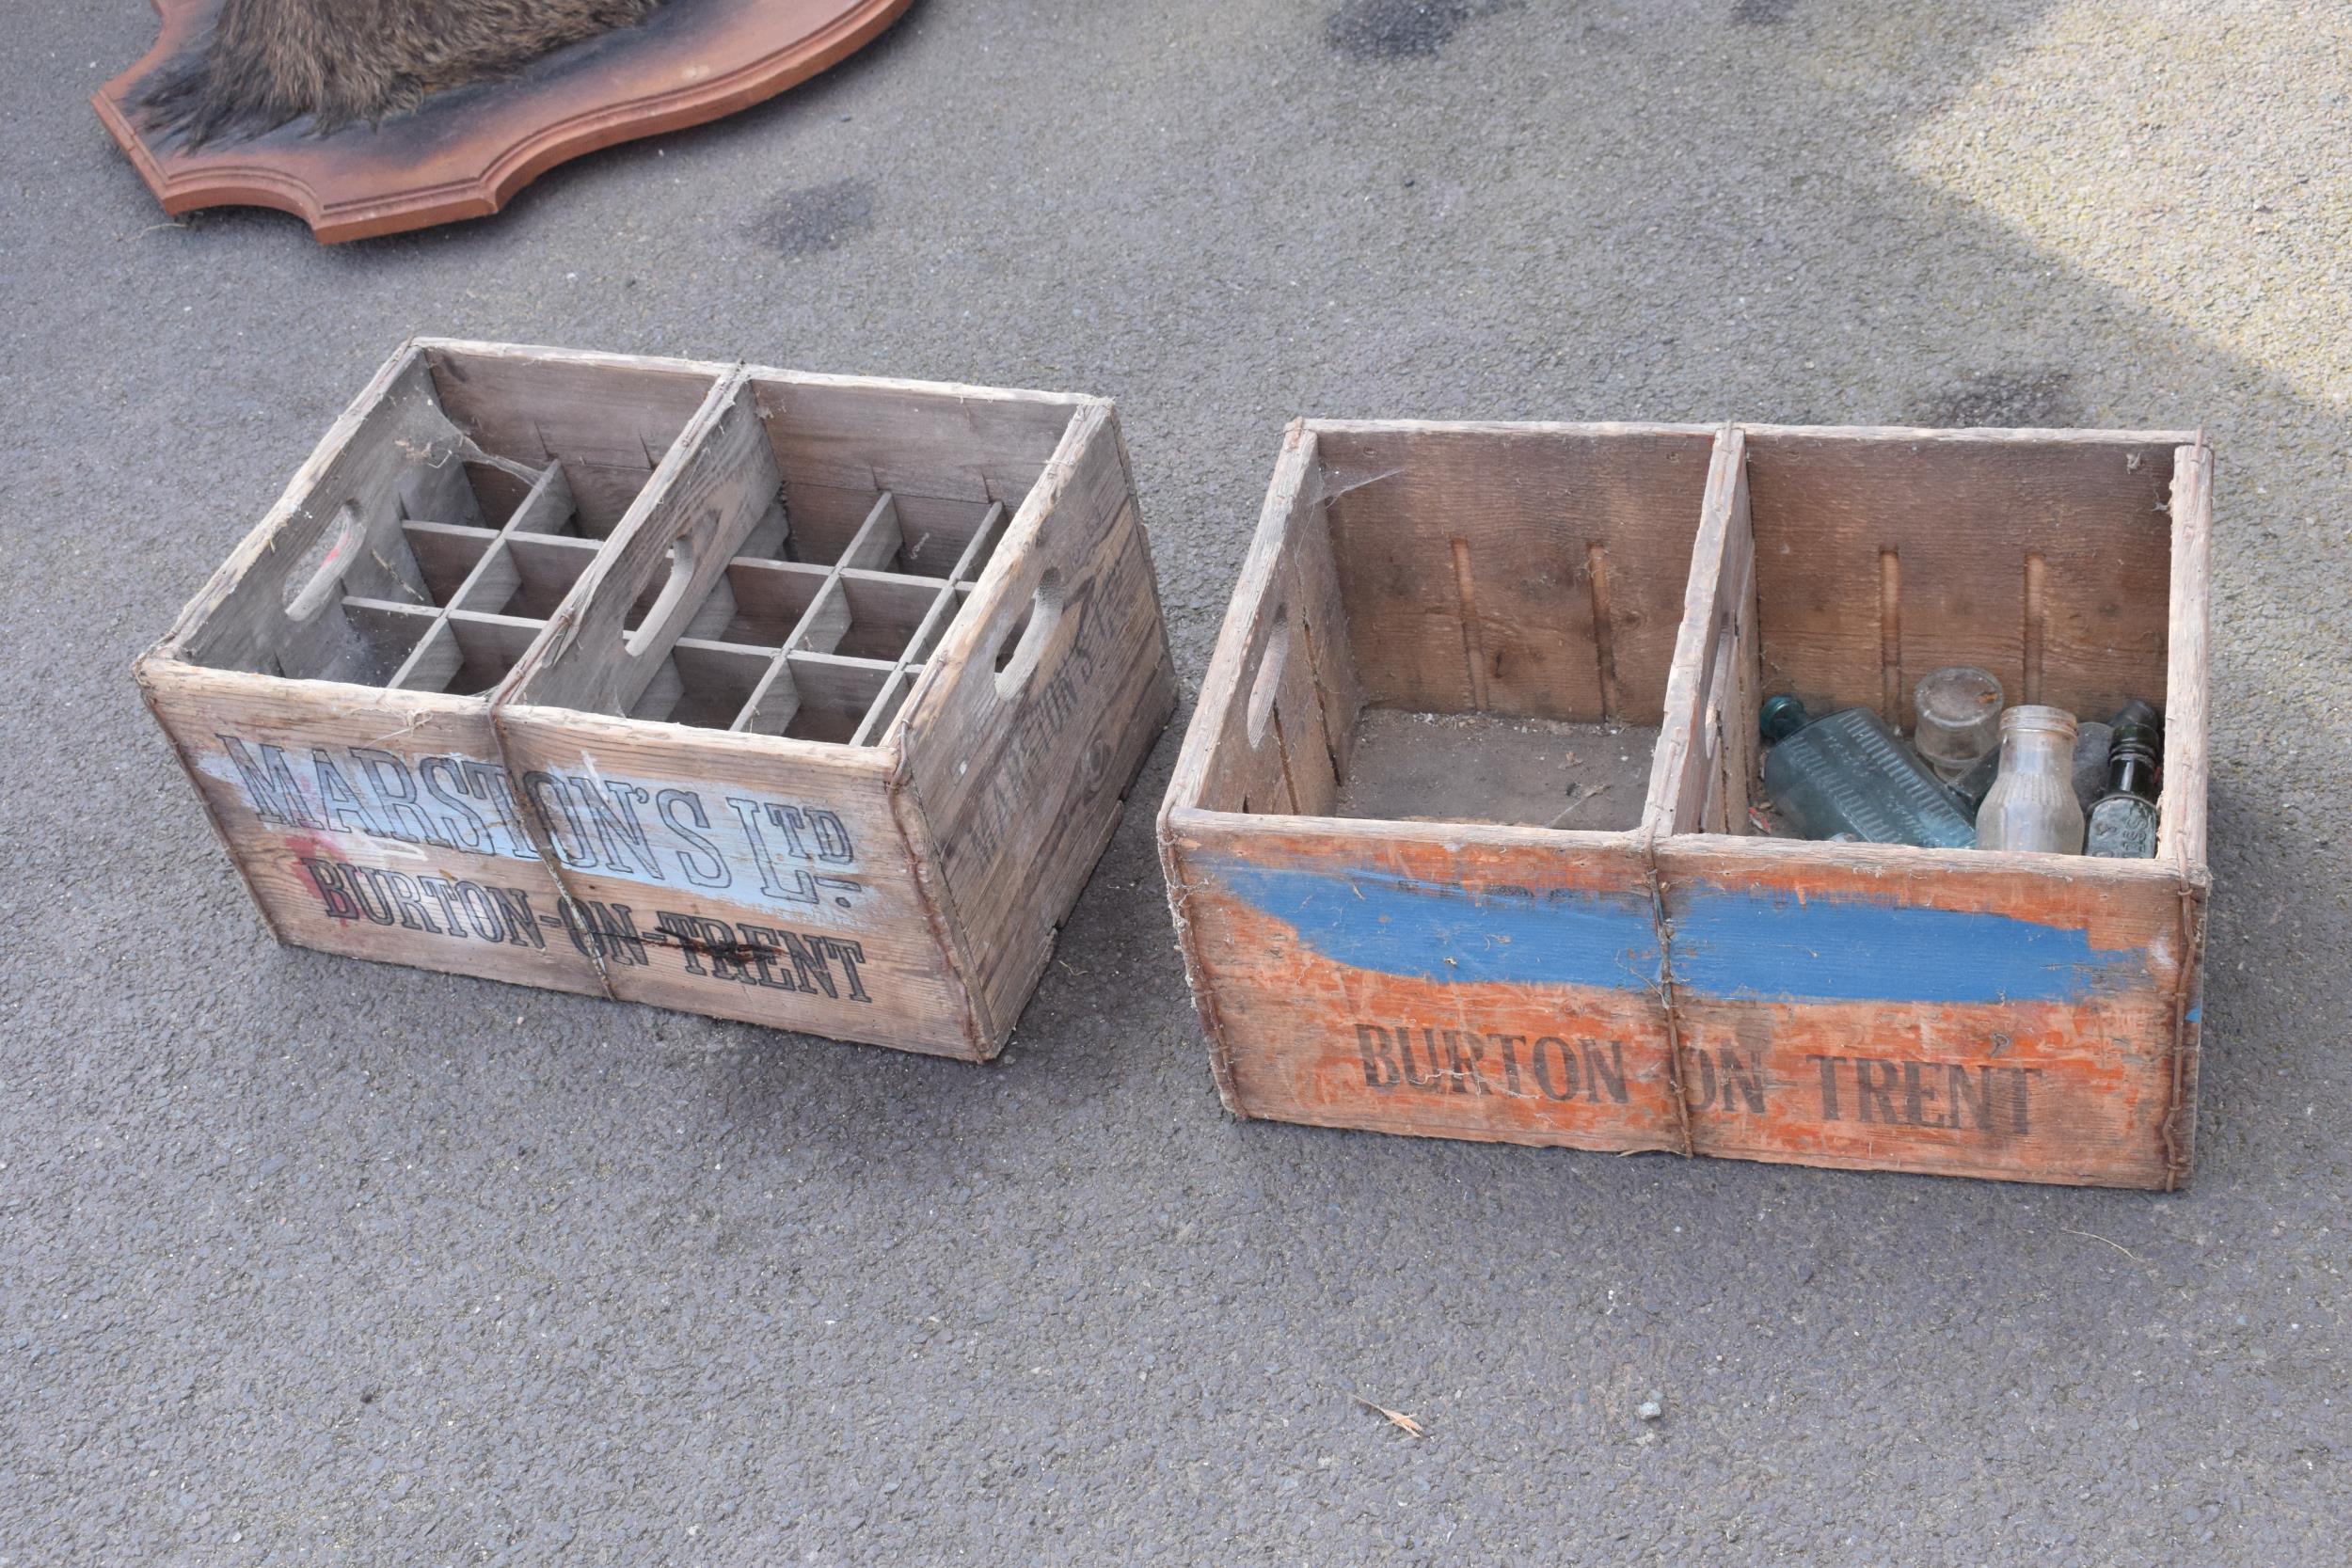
1484	767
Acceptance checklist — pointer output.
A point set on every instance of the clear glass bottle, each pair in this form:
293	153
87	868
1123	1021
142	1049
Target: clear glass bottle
2031	804
1958	709
1850	774
2123	823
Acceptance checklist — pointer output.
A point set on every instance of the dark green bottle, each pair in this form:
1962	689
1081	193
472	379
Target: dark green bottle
2123	822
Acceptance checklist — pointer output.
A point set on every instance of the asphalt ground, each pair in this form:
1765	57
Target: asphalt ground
310	1260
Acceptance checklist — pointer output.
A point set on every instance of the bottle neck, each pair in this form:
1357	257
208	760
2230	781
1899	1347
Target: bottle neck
2132	765
2036	751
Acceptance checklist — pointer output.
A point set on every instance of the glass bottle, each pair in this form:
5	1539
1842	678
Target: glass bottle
1849	773
1959	710
2123	823
2031	804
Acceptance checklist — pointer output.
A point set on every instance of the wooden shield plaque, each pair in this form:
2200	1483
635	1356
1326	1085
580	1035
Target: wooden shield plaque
464	151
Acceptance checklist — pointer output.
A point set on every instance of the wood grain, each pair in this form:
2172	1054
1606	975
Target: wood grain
1868	1007
467	151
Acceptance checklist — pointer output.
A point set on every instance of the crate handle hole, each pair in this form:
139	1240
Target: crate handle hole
1025	643
319	569
1269	682
649	631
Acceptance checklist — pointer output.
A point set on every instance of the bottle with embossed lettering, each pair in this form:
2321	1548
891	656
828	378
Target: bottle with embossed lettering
1848	774
2123	822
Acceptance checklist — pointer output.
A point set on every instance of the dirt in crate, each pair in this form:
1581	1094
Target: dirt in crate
1482	768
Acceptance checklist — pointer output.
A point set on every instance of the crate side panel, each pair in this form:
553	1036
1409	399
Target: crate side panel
1881	556
766	881
2001	1022
377	829
946	442
1022	787
1482	567
607	418
1468	989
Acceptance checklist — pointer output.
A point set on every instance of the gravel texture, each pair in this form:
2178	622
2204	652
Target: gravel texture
310	1260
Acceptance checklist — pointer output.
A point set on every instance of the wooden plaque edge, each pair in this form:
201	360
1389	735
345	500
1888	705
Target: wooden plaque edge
184	184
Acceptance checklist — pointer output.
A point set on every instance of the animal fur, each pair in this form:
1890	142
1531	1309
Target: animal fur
270	61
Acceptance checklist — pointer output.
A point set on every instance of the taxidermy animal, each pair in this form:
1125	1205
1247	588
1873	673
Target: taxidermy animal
266	62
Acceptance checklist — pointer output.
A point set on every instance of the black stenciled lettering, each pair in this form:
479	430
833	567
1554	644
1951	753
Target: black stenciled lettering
604	930
809	967
1873	1090
766	945
1379	1053
1509	1045
833	838
1829	1085
1555	1065
442	894
1420	1074
522	924
404	890
396	792
1920	1099
328	876
341	802
1604	1077
1463	1050
269	785
373	901
849	954
447	785
1971	1095
703	864
609	814
1742	1077
2019	1079
486	783
481	912
545	795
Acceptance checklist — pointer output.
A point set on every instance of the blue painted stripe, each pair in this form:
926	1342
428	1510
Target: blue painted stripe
1437	931
1759	944
1729	945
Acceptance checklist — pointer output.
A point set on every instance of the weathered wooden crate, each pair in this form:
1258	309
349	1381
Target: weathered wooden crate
329	691
1683	983
821	721
875	737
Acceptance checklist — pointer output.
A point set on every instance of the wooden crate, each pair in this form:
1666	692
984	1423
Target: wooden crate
826	734
1679	982
329	691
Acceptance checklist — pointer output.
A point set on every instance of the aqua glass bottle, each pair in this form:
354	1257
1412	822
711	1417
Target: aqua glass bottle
1849	773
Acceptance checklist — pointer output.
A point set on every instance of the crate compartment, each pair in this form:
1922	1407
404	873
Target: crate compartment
460	451
1965	1011
1863	563
1477	625
870	683
330	691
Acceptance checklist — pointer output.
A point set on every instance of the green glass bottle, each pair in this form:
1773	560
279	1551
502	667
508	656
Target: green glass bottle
2123	822
1850	774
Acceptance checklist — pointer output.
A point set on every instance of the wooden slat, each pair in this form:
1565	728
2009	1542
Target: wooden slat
1717	600
715	485
1961	511
2181	824
1019	779
1466	556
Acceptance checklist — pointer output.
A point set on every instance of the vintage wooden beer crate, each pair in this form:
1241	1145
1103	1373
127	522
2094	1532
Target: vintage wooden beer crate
1444	934
804	700
835	740
329	690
